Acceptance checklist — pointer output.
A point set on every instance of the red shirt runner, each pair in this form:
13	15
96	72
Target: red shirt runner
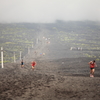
33	63
92	65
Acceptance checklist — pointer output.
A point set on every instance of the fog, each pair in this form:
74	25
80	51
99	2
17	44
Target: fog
47	11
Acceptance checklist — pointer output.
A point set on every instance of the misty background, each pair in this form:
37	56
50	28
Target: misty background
48	11
62	36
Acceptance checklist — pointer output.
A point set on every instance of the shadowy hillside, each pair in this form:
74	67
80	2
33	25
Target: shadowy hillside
22	37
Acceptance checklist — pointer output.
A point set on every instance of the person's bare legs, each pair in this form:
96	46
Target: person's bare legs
92	72
32	67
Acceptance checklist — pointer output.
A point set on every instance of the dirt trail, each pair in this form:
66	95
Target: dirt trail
57	76
51	80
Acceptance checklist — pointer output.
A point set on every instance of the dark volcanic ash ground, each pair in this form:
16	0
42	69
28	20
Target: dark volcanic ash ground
61	74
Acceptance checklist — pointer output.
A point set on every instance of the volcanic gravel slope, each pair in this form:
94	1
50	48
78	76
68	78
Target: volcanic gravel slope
60	74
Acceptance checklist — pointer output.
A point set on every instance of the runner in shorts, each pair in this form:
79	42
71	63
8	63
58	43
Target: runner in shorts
22	64
33	64
92	67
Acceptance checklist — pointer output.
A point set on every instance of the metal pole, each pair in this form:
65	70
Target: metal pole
28	50
37	41
32	44
14	58
20	54
2	57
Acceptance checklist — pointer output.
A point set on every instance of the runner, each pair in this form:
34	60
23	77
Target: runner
92	67
33	64
22	64
43	54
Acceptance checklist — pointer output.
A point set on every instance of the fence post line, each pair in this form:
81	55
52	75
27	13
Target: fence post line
32	44
14	58
37	41
28	50
20	54
2	57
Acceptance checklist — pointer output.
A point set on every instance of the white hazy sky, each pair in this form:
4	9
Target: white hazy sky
45	11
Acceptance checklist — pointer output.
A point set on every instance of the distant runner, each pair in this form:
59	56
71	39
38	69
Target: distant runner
35	53
33	64
92	67
43	54
22	64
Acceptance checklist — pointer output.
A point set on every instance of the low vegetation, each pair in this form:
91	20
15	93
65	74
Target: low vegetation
16	37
